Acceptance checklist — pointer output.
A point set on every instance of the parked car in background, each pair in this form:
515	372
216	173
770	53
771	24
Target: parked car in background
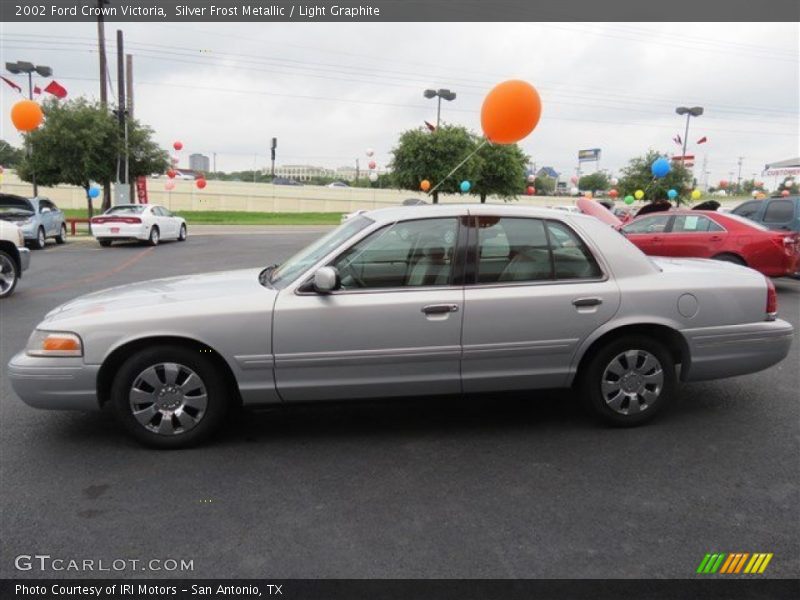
14	257
337	184
721	236
39	219
780	213
146	222
285	181
408	301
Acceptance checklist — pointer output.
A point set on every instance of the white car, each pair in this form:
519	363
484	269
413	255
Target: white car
147	222
14	257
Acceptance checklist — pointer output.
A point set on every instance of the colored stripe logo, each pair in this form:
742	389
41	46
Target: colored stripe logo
734	563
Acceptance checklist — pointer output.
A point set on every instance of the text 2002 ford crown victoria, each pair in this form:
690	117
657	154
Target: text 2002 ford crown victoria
408	301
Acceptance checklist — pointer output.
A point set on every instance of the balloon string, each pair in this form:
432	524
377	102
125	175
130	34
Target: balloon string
458	166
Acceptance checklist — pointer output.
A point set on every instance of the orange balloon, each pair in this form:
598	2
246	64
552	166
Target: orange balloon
26	115
425	185
510	111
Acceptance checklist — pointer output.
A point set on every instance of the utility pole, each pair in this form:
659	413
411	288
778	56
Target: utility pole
129	103
358	170
739	176
214	154
122	173
101	51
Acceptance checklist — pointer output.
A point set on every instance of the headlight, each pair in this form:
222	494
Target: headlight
54	343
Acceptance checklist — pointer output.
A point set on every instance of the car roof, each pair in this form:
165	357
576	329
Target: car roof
405	213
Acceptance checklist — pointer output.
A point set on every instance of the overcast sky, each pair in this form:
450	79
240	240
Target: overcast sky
328	91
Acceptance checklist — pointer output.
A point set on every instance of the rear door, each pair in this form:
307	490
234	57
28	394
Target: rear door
534	291
694	235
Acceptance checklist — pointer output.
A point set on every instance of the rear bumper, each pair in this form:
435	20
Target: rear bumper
718	352
120	231
54	383
24	258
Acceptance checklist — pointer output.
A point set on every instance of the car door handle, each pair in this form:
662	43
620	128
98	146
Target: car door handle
716	238
657	238
582	302
438	309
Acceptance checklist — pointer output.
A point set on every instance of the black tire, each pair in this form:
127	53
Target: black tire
182	234
62	235
9	271
155	236
40	241
731	258
594	375
218	397
104	243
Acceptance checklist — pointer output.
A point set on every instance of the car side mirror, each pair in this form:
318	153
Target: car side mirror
326	280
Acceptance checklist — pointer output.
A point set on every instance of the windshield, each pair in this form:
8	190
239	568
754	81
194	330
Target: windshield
297	264
15	204
130	209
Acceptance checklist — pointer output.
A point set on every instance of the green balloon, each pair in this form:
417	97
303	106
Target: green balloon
629	199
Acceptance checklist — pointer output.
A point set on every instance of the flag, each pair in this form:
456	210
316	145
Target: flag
56	89
12	84
37	89
430	126
702	140
677	140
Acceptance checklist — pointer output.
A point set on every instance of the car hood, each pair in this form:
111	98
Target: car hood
222	288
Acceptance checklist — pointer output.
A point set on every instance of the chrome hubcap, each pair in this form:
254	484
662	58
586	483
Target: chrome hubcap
168	398
7	274
632	382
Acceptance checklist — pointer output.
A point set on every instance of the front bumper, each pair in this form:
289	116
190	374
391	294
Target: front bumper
718	352
54	383
24	258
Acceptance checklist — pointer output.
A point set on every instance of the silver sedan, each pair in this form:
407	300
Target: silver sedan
411	301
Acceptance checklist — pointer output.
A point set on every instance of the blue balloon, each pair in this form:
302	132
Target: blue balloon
94	192
660	167
672	194
465	186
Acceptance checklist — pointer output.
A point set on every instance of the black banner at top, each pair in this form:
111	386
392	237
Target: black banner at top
399	10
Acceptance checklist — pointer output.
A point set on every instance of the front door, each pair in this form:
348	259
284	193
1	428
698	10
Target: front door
536	293
648	233
393	329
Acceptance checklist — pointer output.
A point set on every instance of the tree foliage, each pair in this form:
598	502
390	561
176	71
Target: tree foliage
500	171
594	182
545	185
79	143
9	156
637	176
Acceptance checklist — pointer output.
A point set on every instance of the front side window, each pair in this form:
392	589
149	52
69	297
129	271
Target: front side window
694	224
405	254
654	224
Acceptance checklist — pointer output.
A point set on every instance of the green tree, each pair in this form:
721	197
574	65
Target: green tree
78	144
9	156
500	171
594	182
637	176
421	155
544	185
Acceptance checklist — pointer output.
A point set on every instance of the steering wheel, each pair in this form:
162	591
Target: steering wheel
349	271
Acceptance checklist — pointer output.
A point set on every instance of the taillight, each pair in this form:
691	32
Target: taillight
128	220
772	301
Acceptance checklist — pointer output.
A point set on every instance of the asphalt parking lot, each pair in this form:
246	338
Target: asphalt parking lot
494	487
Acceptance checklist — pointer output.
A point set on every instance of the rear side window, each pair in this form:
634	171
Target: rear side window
571	258
694	224
748	210
779	211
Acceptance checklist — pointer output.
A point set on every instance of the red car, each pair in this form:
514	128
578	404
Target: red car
702	234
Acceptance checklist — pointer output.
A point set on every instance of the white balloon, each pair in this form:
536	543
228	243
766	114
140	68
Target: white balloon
373	177
788	183
755	193
574	191
370	151
614	181
531	178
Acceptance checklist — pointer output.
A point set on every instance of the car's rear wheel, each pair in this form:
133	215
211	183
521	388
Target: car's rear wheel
62	234
41	239
731	258
9	274
182	233
169	397
104	243
155	236
628	381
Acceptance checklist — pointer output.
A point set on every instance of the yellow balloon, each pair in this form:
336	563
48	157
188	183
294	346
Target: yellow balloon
696	194
638	194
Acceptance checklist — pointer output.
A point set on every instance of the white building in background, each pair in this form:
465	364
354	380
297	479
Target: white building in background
303	172
199	162
348	173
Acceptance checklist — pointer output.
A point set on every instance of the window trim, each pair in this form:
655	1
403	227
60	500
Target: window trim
554	281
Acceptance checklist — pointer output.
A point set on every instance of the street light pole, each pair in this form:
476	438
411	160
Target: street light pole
441	93
695	111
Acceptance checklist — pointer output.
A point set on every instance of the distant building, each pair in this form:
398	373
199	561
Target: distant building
348	173
547	172
199	162
303	172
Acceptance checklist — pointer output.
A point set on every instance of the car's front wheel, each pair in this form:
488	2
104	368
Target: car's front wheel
62	234
9	274
628	381
182	233
169	397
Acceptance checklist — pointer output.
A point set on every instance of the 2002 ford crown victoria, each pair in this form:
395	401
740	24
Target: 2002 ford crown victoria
408	301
